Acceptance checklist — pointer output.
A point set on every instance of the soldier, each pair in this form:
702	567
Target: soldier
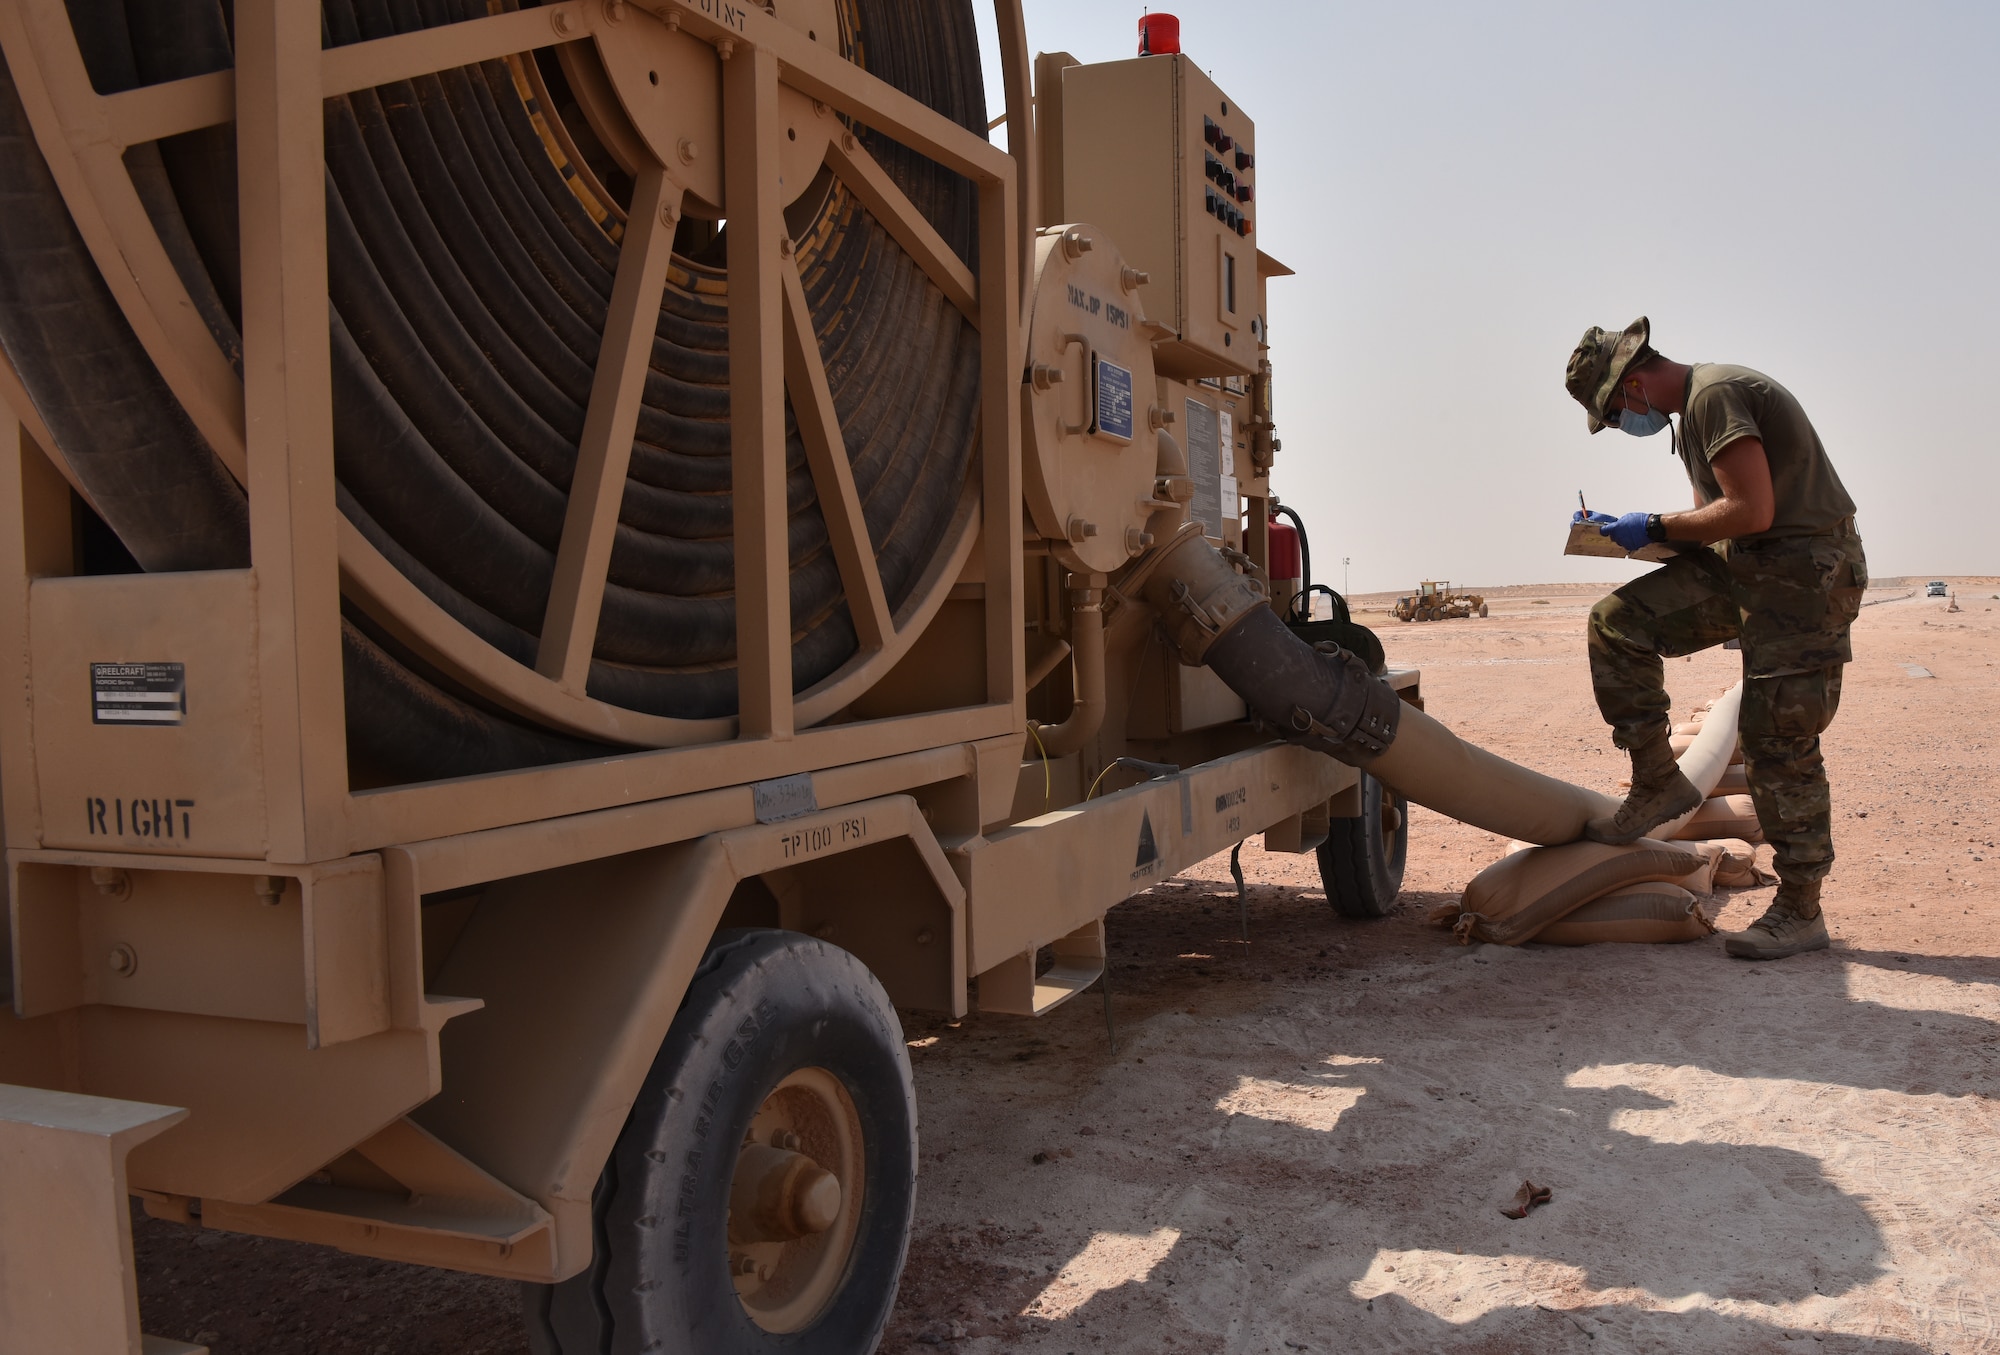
1784	578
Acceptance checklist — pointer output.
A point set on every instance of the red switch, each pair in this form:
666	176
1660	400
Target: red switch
1159	34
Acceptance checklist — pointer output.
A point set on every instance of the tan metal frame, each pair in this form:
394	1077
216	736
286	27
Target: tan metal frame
273	429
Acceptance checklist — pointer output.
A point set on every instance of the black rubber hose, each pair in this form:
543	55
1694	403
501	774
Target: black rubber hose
1324	699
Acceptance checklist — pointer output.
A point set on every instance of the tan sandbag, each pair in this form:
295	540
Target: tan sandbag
1680	742
1652	914
1736	756
1733	782
1724	816
1701	880
1518	895
1689	729
1738	868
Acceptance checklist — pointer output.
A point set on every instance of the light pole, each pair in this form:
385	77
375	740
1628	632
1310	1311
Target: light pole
1344	562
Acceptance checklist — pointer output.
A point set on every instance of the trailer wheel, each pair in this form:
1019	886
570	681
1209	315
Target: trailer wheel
760	1194
1361	861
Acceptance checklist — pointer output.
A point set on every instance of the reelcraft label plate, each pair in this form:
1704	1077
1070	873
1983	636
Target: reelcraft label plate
138	693
1114	400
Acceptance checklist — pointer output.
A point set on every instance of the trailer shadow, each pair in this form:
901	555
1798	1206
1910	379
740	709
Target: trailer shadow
1304	1143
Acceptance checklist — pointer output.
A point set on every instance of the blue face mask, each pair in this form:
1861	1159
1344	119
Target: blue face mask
1642	425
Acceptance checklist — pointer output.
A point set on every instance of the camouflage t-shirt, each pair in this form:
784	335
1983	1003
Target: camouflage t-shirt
1725	404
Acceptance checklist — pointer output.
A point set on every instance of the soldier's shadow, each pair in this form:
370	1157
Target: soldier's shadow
1662	1130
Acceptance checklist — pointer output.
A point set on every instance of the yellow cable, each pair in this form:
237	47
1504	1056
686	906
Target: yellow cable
1100	779
1047	792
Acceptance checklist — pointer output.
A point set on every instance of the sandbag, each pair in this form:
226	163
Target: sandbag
1737	867
1715	859
1655	913
1723	816
1521	893
1680	742
1733	782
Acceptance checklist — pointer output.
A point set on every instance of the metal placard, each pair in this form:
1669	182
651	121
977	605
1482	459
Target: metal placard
1204	454
1114	401
138	693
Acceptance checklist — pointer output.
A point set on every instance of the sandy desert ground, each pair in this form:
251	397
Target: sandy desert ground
1302	1143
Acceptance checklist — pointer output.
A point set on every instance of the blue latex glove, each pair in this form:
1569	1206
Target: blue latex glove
1628	531
1601	519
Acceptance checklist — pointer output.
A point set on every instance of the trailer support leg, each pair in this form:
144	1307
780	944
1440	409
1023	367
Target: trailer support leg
67	1280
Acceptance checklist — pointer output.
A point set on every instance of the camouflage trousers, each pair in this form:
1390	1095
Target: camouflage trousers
1789	602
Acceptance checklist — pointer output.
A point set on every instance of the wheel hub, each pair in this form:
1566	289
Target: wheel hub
795	1201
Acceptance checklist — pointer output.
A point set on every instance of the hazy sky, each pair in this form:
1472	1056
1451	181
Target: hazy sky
1810	189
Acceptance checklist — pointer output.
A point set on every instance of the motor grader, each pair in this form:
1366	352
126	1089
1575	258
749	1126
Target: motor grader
558	565
1434	601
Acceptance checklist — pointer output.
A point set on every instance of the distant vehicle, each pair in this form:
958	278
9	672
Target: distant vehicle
1934	589
1434	601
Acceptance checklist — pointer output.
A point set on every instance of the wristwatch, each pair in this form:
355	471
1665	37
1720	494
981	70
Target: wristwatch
1656	530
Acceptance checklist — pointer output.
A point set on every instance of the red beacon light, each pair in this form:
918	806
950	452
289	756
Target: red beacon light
1159	34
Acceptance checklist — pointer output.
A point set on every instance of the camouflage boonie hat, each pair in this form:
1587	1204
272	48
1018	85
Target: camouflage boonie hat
1600	363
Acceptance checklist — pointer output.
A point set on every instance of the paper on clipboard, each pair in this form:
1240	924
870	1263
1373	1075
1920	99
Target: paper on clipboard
1585	539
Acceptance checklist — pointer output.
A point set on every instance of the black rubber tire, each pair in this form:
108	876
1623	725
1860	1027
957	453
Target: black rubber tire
763	1004
1361	863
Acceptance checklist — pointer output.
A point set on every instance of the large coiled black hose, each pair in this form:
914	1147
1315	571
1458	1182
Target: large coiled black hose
470	286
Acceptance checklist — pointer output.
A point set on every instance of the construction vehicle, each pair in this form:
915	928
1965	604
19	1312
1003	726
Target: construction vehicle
560	564
1434	601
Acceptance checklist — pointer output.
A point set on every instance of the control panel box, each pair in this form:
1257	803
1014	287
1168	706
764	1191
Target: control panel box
1156	154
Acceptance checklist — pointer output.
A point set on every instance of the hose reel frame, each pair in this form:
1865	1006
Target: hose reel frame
105	199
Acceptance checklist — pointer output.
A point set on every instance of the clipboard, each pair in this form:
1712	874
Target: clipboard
1585	539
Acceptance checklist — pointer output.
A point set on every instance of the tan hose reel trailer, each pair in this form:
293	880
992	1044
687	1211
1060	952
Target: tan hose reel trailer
557	564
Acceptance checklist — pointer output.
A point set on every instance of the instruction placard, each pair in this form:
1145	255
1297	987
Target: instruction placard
1114	400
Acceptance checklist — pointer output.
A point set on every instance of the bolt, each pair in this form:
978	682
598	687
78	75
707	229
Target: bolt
785	246
1076	244
123	960
614	10
725	48
1136	540
111	881
1132	279
1081	531
1158	417
849	142
1046	375
688	150
269	888
786	1139
559	20
669	215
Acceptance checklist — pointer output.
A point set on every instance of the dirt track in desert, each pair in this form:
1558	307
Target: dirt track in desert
1302	1143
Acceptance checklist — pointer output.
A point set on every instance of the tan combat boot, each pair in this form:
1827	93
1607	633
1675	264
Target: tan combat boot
1792	925
1659	793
